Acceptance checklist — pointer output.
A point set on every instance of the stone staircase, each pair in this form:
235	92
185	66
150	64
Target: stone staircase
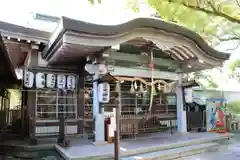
177	152
154	148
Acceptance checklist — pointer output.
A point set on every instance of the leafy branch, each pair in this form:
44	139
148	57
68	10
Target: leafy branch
214	11
93	1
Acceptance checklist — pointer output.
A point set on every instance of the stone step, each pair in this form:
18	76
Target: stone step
175	153
106	152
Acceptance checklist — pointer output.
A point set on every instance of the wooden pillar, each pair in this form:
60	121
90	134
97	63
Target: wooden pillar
32	117
31	61
80	100
181	110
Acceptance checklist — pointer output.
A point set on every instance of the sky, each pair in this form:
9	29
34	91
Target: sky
109	12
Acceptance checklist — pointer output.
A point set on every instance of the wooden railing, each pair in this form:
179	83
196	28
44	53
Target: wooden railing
133	125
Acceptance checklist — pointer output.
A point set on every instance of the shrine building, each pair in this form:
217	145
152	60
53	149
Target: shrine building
60	70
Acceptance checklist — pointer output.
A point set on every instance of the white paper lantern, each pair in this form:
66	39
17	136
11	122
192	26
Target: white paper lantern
51	80
104	92
28	79
61	81
71	82
40	80
90	68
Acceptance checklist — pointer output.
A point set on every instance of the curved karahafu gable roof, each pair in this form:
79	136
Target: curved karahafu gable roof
92	38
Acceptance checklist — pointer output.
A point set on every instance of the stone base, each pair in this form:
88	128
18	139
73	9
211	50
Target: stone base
99	143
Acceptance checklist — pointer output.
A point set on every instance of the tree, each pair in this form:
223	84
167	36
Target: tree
93	1
217	21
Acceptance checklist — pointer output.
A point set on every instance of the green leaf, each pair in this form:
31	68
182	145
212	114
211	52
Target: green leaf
91	1
210	26
234	65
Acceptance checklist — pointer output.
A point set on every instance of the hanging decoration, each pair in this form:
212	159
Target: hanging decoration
61	81
154	92
71	82
141	80
135	86
141	89
159	86
132	88
51	80
40	80
103	92
28	79
117	88
151	65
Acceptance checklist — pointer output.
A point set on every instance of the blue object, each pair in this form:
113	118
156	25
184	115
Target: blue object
217	99
212	119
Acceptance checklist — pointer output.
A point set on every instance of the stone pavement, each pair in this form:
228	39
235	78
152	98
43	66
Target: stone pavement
158	142
226	151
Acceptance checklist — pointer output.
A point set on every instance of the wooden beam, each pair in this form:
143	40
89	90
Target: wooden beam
132	72
114	55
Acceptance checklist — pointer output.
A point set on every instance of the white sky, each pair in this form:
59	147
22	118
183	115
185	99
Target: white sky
109	12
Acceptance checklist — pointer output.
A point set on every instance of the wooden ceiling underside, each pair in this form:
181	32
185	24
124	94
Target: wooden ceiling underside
73	53
7	73
17	52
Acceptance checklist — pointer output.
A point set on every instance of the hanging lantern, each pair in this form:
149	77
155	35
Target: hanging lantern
40	80
51	80
61	81
28	79
104	92
71	82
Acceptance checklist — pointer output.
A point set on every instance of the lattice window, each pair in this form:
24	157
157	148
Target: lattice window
53	102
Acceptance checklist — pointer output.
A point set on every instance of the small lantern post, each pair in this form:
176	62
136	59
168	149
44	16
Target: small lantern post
109	78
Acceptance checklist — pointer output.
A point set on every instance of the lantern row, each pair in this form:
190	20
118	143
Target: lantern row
43	80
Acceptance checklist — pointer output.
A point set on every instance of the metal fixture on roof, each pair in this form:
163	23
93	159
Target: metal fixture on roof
44	17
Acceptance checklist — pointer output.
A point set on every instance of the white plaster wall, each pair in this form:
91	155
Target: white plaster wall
53	130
